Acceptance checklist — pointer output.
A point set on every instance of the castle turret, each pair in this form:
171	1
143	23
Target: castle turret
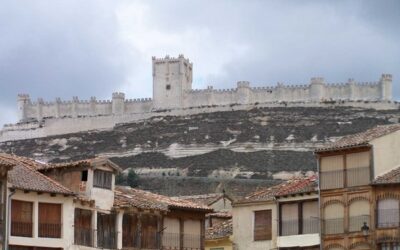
317	88
244	92
172	77
23	101
118	103
386	87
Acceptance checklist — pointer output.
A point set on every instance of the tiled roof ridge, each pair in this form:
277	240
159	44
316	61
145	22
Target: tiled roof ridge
26	163
387	177
82	161
169	202
361	138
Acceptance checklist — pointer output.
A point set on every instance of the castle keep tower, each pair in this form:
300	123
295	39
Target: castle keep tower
171	78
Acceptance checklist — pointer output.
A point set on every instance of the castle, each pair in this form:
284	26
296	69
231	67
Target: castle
172	91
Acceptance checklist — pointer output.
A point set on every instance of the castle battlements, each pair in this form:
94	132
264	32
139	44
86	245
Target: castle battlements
172	90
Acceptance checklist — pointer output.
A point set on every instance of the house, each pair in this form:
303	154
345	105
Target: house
40	208
5	167
77	206
221	203
218	223
298	214
282	216
358	206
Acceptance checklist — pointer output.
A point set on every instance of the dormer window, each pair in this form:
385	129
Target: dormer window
102	179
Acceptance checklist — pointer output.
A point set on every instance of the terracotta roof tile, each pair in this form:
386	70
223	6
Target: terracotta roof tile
391	177
25	177
360	139
290	187
205	199
84	163
219	230
131	197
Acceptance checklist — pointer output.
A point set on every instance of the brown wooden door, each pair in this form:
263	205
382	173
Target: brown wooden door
83	232
49	220
263	225
149	232
129	230
21	218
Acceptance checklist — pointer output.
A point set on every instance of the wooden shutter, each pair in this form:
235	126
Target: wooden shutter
50	220
149	231
129	230
263	225
21	218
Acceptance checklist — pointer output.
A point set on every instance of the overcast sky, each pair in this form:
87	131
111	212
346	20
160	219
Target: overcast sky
68	48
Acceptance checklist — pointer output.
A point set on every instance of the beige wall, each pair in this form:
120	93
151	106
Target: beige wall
243	225
386	153
67	237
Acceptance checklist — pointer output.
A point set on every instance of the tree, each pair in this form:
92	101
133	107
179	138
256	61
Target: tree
132	179
120	179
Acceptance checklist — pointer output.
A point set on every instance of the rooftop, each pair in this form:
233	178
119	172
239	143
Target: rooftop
205	199
24	176
131	197
219	230
82	163
360	139
290	187
391	177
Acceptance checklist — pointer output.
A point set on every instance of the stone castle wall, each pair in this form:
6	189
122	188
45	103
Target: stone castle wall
172	91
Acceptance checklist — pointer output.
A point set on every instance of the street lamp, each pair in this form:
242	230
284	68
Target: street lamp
365	229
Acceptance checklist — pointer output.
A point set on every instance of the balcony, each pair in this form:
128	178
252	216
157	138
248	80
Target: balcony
50	230
332	179
291	227
84	236
356	222
388	218
172	241
22	229
354	177
357	176
334	226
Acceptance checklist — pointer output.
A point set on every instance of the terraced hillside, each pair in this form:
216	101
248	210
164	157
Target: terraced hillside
207	152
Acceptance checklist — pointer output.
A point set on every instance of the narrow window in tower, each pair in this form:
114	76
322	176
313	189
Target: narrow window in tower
168	87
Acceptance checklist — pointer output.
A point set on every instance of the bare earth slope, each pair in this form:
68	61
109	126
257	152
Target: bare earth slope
214	151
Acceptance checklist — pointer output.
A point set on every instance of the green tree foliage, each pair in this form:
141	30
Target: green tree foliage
131	179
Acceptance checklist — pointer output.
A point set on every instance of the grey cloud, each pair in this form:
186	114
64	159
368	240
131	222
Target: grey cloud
65	48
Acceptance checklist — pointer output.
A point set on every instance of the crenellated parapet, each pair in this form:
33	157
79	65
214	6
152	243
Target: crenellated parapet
172	90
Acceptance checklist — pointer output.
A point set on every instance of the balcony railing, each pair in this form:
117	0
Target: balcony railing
23	229
311	226
388	218
172	241
291	227
84	236
50	230
332	179
356	222
354	177
357	176
334	226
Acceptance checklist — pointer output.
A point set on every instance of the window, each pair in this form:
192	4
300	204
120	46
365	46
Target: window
218	248
49	220
168	87
84	175
21	218
299	218
358	213
102	179
334	219
389	246
262	225
388	213
346	170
